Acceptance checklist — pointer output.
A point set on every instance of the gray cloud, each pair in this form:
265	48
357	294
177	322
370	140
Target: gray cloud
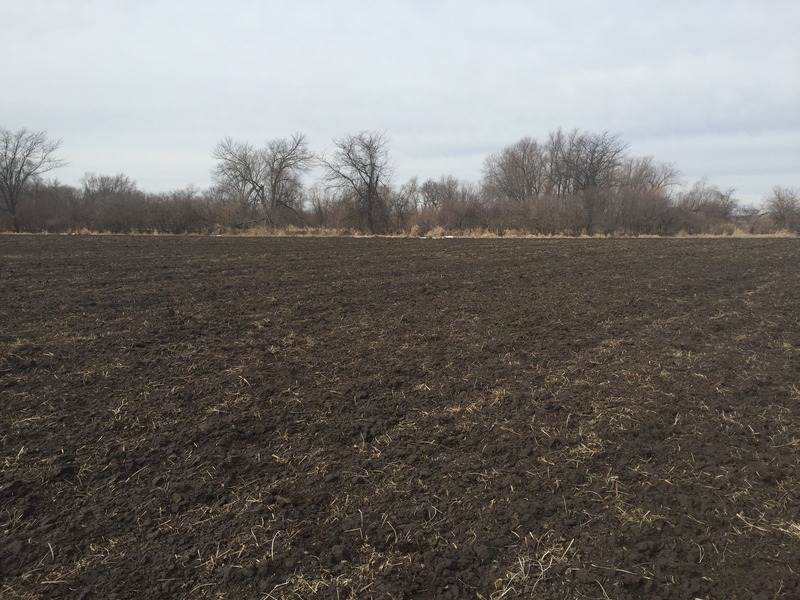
147	87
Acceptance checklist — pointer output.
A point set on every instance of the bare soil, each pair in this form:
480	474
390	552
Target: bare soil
330	418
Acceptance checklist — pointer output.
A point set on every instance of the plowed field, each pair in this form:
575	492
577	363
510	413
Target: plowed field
374	418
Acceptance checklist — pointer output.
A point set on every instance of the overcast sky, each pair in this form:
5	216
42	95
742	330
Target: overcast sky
147	88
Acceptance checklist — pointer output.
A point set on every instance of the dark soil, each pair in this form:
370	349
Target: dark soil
375	418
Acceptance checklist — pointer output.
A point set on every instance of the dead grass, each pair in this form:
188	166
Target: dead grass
437	232
536	560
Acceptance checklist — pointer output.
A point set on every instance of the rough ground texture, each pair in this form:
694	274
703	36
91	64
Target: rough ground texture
372	418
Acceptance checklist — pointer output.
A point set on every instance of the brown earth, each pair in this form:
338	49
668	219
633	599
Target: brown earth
373	418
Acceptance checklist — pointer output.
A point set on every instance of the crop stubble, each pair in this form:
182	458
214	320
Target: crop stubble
291	418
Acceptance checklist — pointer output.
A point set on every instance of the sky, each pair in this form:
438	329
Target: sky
147	88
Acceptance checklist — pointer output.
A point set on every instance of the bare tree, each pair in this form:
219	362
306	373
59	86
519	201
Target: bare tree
705	208
98	186
180	211
517	173
24	157
402	203
457	204
360	164
437	195
589	162
268	177
322	205
642	200
530	180
578	161
114	203
784	207
226	207
645	173
49	206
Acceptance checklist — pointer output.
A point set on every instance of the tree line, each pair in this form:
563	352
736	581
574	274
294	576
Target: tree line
573	182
